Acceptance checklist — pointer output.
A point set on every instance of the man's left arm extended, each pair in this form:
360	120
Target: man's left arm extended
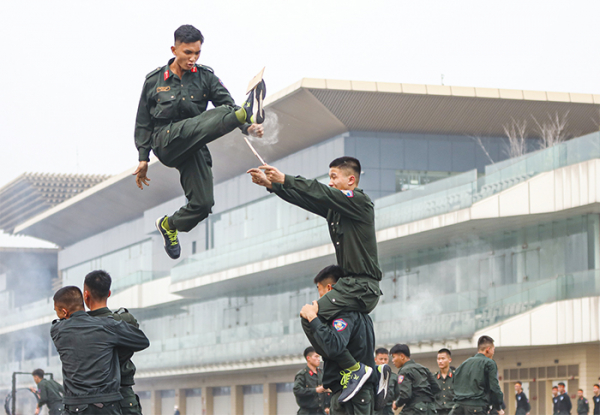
129	337
496	395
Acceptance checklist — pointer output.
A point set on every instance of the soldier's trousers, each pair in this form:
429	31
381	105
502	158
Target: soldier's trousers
129	404
386	411
468	410
111	408
182	145
362	403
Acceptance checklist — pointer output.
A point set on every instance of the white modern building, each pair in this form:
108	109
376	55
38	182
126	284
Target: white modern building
470	242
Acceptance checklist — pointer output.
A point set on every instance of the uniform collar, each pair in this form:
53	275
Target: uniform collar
168	73
99	312
78	314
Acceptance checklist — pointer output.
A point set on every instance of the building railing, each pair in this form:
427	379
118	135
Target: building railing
440	197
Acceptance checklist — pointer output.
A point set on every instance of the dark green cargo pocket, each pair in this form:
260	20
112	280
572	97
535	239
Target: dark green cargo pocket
75	409
130	402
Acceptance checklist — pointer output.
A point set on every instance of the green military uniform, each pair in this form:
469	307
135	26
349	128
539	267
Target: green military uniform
51	394
523	406
444	399
417	388
307	398
583	406
351	219
392	395
476	386
130	403
172	121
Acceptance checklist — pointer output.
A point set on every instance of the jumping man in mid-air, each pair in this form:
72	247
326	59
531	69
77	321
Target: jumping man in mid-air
172	121
350	215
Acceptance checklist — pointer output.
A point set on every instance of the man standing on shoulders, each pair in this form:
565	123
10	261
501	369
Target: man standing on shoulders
49	392
444	399
308	385
563	405
476	382
96	290
523	406
583	406
417	385
87	347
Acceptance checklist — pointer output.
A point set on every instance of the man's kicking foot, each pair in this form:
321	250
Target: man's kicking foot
352	380
384	379
170	238
253	106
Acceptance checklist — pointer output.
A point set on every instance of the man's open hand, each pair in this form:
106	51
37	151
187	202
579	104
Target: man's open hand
260	178
256	130
140	174
273	175
309	311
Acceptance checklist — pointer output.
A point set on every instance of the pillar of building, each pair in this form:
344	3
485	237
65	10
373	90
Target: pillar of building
270	399
180	401
155	398
207	400
237	400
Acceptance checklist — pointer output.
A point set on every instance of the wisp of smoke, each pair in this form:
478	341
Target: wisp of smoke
272	128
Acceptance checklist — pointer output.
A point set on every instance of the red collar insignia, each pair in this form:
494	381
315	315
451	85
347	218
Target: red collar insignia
194	69
166	74
439	375
450	374
310	372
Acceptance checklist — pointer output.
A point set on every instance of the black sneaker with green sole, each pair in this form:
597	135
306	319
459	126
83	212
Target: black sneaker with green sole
255	113
170	239
352	381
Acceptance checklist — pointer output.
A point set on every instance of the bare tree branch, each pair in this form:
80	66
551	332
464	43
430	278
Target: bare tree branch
516	132
478	141
553	131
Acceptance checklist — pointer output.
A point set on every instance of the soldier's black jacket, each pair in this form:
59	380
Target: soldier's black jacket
348	330
476	383
126	365
166	98
562	404
523	406
583	406
87	347
417	385
50	392
305	384
350	216
444	399
596	400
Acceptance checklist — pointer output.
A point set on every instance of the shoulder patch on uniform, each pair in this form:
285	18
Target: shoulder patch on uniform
400	378
348	193
339	324
122	310
153	72
206	68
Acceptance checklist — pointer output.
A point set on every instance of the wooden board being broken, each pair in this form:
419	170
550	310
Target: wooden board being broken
255	81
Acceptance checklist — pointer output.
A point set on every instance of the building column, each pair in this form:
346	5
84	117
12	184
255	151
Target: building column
207	401
270	399
180	400
237	400
155	398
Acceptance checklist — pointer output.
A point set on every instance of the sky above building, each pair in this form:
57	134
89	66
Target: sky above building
72	71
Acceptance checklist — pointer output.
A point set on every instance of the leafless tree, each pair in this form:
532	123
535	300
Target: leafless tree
477	139
553	131
516	132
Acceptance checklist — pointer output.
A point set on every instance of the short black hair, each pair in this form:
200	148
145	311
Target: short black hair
334	272
484	342
98	282
381	350
347	162
309	350
580	390
188	34
596	385
561	384
401	349
39	373
554	387
444	350
518	382
69	297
